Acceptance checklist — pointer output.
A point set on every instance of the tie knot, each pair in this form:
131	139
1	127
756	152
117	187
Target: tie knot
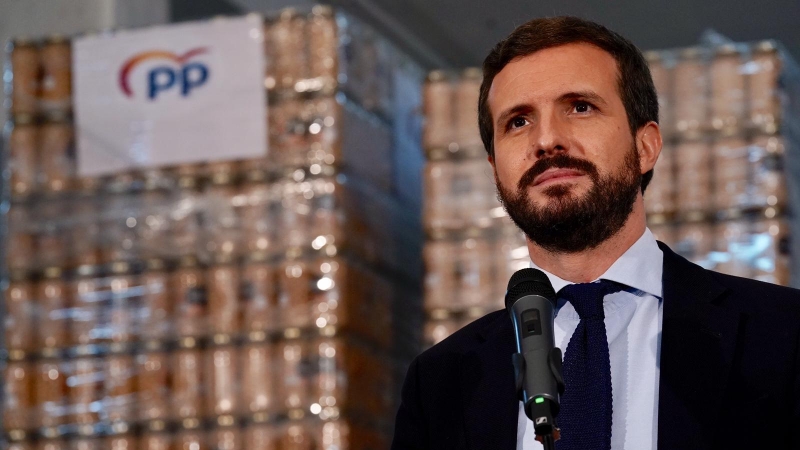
587	298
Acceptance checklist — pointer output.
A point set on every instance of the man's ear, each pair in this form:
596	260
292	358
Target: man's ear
648	143
490	158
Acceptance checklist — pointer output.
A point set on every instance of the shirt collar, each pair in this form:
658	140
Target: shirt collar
640	267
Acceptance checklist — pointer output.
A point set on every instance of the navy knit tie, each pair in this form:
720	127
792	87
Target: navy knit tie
585	418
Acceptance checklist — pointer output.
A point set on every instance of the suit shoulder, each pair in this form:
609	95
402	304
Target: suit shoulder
465	339
759	294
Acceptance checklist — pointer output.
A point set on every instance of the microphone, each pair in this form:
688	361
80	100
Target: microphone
531	301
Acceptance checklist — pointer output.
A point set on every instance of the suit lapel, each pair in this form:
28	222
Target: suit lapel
487	380
697	350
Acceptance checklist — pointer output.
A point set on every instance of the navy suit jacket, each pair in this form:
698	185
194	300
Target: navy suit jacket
730	372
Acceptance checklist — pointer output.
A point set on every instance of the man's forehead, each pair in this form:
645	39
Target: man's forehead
575	66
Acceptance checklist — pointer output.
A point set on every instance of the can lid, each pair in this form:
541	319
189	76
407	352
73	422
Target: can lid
58	117
188	261
87	270
23	41
226	421
288	14
653	56
437	76
23	119
120	427
53	272
156	425
56	39
257	257
691	53
472	73
727	49
222	178
190	423
322	10
155	264
257	336
120	267
765	46
187	182
256	176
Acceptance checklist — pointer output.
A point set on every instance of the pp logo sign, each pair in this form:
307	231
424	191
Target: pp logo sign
186	77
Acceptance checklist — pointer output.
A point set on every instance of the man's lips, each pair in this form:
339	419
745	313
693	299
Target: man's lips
552	175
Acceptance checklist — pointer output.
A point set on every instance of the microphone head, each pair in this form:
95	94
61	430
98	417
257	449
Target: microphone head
529	281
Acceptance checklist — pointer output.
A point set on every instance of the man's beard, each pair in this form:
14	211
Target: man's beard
569	223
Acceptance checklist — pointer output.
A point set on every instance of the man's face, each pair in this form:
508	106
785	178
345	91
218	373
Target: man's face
566	164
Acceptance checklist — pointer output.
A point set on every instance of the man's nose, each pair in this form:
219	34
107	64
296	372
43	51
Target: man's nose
549	137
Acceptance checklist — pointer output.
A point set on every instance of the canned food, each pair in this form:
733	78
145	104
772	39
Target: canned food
187	384
53	303
85	232
56	74
20	245
25	68
323	44
18	398
297	437
156	313
85	386
257	377
122	442
293	296
57	165
156	441
693	159
727	89
19	315
441	281
227	438
51	239
223	299
124	306
23	155
222	367
120	388
261	436
51	391
437	98
765	104
691	92
154	389
476	280
193	439
731	173
191	299
294	389
258	294
466	117
88	300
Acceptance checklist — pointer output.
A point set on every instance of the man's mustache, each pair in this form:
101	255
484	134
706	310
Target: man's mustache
560	161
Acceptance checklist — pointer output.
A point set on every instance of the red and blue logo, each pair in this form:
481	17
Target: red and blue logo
186	77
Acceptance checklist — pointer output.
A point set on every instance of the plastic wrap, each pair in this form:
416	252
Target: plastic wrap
733	172
226	304
450	105
466	277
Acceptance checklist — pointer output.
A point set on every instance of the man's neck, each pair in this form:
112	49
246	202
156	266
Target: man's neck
587	266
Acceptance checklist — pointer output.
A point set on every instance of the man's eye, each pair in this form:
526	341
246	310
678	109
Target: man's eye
583	107
517	122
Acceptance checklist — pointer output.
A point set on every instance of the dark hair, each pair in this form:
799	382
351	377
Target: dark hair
635	83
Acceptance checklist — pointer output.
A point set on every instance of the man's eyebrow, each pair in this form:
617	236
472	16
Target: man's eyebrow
589	96
511	112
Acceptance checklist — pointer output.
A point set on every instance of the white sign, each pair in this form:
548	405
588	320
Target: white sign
178	94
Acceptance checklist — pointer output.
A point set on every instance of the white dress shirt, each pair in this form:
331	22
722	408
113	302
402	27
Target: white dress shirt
633	326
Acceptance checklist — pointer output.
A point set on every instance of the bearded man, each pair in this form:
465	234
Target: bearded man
683	358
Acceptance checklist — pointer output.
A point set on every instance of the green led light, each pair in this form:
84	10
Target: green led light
539	400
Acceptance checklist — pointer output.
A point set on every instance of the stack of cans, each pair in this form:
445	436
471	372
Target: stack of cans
230	304
720	194
471	248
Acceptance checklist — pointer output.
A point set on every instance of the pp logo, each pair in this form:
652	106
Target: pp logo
186	77
541	420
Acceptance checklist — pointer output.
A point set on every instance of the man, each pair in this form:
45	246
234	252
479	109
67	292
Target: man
694	359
